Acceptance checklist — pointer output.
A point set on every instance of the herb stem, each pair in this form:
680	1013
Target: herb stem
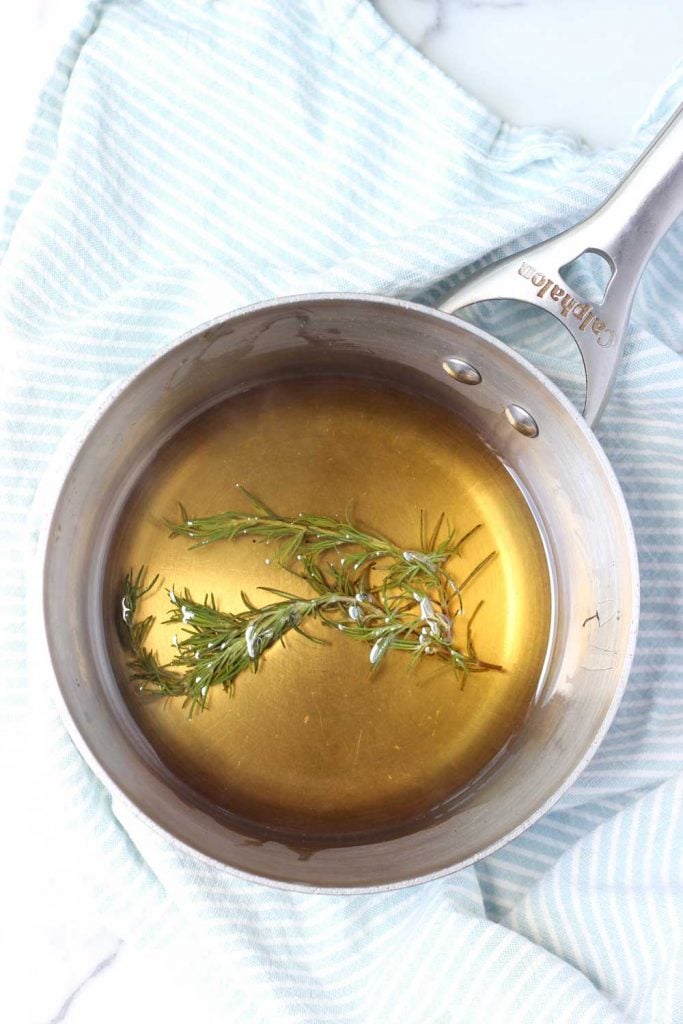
363	584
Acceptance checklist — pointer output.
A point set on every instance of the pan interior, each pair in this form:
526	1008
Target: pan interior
313	746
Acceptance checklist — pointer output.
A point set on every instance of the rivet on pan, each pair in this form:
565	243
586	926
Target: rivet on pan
522	420
462	371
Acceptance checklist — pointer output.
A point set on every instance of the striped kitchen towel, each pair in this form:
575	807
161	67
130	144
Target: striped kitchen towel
190	156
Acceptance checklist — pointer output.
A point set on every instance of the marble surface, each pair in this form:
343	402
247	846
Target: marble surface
589	66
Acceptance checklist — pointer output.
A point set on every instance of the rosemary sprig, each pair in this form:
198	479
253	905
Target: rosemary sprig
363	584
144	664
215	646
311	536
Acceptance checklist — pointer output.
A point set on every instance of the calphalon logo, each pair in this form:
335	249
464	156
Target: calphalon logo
568	303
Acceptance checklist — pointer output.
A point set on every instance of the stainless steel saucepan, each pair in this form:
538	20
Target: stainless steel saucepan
520	415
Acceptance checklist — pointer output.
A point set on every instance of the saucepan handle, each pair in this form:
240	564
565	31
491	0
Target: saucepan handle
624	230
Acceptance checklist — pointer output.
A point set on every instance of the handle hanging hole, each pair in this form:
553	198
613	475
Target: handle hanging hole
589	275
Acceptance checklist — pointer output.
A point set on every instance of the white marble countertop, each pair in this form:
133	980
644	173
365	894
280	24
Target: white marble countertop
589	66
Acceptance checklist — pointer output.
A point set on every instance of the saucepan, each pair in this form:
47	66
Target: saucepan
520	415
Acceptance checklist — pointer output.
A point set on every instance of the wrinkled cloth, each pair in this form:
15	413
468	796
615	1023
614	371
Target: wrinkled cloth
188	158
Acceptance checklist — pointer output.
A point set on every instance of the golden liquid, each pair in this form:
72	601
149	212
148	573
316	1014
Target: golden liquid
313	744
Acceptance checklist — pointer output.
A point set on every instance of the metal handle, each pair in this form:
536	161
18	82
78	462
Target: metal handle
624	230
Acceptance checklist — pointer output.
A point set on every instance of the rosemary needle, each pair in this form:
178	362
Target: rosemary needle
362	583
